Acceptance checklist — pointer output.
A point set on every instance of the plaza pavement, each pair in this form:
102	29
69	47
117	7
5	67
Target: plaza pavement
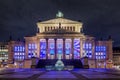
76	74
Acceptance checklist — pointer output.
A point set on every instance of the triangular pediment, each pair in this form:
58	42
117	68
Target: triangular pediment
60	20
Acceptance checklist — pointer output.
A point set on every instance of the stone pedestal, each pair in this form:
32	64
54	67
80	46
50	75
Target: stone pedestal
34	61
85	62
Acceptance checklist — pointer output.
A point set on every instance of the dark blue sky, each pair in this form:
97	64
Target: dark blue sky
101	18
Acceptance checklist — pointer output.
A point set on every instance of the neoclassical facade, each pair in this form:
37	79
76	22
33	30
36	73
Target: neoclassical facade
62	37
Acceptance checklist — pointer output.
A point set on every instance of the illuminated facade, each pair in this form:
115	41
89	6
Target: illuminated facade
63	37
3	51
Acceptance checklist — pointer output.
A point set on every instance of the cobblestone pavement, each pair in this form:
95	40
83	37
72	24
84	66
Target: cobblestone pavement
76	74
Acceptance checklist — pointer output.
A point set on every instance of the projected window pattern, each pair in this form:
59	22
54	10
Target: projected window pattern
67	46
59	46
3	52
32	47
51	46
76	48
100	52
42	48
87	46
19	52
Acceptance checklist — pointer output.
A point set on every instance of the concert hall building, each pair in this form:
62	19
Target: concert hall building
59	36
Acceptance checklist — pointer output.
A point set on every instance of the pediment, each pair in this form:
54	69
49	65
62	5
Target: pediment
60	20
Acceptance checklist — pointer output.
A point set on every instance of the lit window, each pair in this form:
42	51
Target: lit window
86	46
96	53
20	48
35	46
90	56
101	53
15	49
29	46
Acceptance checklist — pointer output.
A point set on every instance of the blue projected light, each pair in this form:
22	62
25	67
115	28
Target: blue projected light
52	51
67	52
52	48
59	46
17	52
67	47
43	52
102	52
43	49
76	47
88	49
15	48
51	45
43	45
20	48
75	52
59	51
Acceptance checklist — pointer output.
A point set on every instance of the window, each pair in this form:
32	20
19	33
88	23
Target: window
3	52
32	49
100	52
19	52
42	48
87	47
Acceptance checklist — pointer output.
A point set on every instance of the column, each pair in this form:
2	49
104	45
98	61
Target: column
72	49
81	48
26	49
46	48
64	55
55	48
38	47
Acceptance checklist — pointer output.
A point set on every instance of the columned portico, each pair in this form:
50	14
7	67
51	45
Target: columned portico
67	47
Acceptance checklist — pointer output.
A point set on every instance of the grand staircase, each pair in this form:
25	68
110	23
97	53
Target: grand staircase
75	62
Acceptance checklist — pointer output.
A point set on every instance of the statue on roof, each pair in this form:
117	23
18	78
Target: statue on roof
59	14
